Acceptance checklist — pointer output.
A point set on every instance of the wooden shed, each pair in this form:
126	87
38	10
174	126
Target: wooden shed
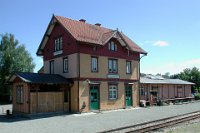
39	93
156	88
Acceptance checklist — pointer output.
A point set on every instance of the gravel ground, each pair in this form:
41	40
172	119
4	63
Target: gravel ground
188	127
92	122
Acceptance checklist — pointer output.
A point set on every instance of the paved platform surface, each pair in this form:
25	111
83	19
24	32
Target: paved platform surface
92	122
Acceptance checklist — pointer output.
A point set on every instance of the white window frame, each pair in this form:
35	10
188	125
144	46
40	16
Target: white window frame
65	65
112	66
112	92
128	67
94	64
112	46
58	44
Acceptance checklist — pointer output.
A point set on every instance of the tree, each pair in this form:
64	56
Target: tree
13	58
191	75
166	75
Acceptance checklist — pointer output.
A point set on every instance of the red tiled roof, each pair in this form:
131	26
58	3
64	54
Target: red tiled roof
94	34
82	31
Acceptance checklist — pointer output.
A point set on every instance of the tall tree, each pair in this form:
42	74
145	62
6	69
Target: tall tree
13	58
192	75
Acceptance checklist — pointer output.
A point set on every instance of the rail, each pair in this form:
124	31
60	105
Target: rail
156	124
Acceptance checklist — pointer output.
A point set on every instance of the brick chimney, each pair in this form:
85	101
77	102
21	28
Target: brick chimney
82	20
97	24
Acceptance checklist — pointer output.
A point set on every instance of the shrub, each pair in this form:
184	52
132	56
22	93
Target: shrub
197	96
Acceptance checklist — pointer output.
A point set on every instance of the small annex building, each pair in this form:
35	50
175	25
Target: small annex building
39	93
156	88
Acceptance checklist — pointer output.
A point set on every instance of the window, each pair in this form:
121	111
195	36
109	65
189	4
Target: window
65	65
128	67
112	66
112	92
58	44
20	94
112	46
94	64
142	91
51	67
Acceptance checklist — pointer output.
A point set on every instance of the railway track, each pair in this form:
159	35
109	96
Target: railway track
155	125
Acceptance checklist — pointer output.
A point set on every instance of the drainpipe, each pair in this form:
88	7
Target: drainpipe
139	76
78	51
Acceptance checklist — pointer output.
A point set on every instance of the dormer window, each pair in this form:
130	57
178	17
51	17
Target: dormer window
112	46
58	45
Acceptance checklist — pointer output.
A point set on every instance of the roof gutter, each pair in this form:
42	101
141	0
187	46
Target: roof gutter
145	54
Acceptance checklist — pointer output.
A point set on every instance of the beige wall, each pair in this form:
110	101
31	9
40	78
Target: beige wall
105	103
58	66
74	97
22	107
85	72
135	92
85	68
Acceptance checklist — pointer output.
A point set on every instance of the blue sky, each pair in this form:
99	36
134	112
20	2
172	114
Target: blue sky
169	30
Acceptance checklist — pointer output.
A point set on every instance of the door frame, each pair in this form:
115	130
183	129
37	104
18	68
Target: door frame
131	86
98	85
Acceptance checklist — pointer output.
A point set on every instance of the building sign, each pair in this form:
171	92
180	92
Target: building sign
113	76
57	52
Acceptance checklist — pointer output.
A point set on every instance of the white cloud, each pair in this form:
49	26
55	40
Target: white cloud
160	43
172	67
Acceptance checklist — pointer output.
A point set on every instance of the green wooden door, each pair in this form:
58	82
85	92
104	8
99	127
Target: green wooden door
128	93
94	98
